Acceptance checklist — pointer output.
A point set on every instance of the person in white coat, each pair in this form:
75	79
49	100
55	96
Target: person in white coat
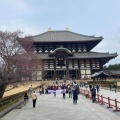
34	98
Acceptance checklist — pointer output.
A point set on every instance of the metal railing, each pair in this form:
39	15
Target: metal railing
103	100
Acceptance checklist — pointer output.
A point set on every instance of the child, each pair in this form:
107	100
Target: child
25	99
64	91
54	92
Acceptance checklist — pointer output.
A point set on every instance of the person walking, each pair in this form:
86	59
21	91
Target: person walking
70	91
25	99
54	92
75	96
34	98
93	90
97	87
110	87
64	91
40	90
90	86
115	87
31	90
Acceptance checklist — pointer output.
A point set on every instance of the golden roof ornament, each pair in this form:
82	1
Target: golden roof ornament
49	29
67	29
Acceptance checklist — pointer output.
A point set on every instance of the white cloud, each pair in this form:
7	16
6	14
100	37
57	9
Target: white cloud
27	30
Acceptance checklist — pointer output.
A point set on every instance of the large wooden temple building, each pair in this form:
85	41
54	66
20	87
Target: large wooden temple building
65	53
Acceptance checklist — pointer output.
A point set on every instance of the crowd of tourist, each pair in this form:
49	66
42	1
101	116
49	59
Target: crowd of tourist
71	88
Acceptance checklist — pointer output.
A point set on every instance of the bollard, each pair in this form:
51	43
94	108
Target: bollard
84	92
109	103
102	102
98	100
80	91
87	94
116	108
90	95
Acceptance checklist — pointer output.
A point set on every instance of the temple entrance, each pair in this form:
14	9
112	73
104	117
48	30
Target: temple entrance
50	75
73	74
61	74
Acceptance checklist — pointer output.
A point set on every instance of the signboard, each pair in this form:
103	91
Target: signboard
57	91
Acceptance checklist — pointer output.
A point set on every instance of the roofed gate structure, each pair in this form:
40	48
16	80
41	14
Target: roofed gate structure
65	53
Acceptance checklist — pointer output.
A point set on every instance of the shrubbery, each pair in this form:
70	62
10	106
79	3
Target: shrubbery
102	83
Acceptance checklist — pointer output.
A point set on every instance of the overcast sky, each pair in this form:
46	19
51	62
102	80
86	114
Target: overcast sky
88	17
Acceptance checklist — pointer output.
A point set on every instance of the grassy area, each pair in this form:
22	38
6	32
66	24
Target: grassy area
12	99
21	88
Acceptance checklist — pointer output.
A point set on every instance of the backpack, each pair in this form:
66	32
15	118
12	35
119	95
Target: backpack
94	91
77	89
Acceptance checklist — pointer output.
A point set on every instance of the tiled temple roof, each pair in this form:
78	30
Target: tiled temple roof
106	73
63	36
94	55
82	55
61	49
97	74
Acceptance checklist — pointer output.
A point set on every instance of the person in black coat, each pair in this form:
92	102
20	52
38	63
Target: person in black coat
93	91
25	99
90	86
75	96
97	87
115	88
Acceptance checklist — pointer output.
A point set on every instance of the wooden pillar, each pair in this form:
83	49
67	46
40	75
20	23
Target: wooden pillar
67	74
91	66
55	76
67	68
43	68
101	66
79	75
43	48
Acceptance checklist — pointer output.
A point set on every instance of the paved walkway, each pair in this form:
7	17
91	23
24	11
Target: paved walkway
50	108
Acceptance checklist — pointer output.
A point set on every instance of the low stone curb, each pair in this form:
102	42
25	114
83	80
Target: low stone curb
11	108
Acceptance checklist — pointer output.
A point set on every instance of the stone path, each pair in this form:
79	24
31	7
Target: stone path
50	108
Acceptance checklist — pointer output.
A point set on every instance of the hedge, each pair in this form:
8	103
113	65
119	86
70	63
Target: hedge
103	83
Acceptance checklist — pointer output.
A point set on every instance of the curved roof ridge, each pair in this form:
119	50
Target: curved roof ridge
85	35
67	31
63	36
39	34
103	52
61	48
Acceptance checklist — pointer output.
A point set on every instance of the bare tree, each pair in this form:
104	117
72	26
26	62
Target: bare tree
16	63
